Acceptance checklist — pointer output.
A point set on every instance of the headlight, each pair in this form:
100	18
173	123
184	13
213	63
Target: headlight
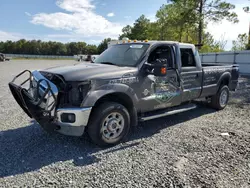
78	93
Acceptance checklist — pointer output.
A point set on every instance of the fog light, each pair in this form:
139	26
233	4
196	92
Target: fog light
68	118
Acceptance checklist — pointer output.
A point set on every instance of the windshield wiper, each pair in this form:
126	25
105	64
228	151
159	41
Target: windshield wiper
108	63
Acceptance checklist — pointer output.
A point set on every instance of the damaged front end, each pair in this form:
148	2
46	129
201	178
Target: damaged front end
41	98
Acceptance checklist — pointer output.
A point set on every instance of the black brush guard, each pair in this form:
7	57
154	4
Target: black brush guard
34	100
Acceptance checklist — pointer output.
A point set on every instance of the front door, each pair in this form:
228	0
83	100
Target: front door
160	92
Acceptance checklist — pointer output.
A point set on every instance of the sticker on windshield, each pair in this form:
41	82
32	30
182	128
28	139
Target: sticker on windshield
136	46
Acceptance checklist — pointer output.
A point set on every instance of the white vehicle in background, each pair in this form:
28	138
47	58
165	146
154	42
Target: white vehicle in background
81	57
3	57
85	57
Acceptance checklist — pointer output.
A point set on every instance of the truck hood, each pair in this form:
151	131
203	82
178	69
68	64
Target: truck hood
88	71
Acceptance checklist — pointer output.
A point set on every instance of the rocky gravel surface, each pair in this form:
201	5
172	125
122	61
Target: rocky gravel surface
199	148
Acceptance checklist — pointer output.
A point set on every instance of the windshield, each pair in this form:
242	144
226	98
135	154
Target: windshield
123	54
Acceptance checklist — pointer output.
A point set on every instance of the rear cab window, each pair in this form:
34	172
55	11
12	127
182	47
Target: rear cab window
187	57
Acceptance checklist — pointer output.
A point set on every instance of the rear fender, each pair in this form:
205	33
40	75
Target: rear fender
223	77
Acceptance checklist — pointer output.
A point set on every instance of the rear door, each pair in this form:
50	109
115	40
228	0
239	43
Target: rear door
191	73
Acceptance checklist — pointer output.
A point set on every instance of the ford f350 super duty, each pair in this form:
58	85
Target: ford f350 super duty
126	84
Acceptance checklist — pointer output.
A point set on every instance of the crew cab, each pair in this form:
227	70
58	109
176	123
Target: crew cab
126	84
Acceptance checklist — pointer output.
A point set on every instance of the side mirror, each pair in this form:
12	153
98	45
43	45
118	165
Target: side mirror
160	67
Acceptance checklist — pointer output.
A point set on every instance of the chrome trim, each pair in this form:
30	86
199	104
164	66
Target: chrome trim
191	89
82	116
36	76
191	72
77	128
208	86
168	113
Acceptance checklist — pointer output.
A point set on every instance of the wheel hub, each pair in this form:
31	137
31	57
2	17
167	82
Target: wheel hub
113	126
223	98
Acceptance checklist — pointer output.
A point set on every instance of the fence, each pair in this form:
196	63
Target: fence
242	58
46	56
40	56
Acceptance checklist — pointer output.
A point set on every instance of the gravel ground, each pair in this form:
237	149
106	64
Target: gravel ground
184	150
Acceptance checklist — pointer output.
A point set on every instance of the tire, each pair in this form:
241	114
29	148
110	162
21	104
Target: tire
109	124
220	100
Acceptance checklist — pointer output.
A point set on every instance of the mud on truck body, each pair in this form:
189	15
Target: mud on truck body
126	84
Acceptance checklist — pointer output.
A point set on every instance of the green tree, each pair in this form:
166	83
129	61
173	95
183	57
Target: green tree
141	28
211	45
126	32
206	10
82	47
103	45
139	31
153	31
19	46
2	47
91	49
38	47
175	19
240	43
72	48
9	47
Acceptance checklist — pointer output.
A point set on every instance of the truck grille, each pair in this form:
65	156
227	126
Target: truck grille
70	93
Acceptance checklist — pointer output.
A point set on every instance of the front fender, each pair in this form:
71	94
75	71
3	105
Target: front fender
94	95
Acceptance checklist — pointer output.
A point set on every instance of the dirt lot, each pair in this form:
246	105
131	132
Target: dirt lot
184	150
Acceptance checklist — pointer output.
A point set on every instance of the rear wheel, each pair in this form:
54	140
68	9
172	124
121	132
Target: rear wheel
220	100
109	124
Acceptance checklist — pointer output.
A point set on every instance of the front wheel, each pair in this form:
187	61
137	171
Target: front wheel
220	100
109	124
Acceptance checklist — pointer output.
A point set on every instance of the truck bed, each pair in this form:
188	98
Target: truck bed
215	73
217	64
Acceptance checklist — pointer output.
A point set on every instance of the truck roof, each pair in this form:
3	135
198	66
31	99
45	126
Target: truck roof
182	45
172	42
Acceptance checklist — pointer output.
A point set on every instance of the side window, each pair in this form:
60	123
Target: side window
161	53
187	57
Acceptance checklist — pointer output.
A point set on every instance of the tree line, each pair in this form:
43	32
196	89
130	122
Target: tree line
38	47
179	20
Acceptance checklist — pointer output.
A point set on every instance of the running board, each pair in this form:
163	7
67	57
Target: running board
172	111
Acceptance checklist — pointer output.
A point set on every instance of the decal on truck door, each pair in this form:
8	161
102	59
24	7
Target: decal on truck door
164	92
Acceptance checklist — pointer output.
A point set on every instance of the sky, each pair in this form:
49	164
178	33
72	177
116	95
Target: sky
93	20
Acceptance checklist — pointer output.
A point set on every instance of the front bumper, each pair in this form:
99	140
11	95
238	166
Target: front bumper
76	128
38	99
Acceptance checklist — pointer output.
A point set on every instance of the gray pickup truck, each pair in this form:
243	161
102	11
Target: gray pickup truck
126	84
